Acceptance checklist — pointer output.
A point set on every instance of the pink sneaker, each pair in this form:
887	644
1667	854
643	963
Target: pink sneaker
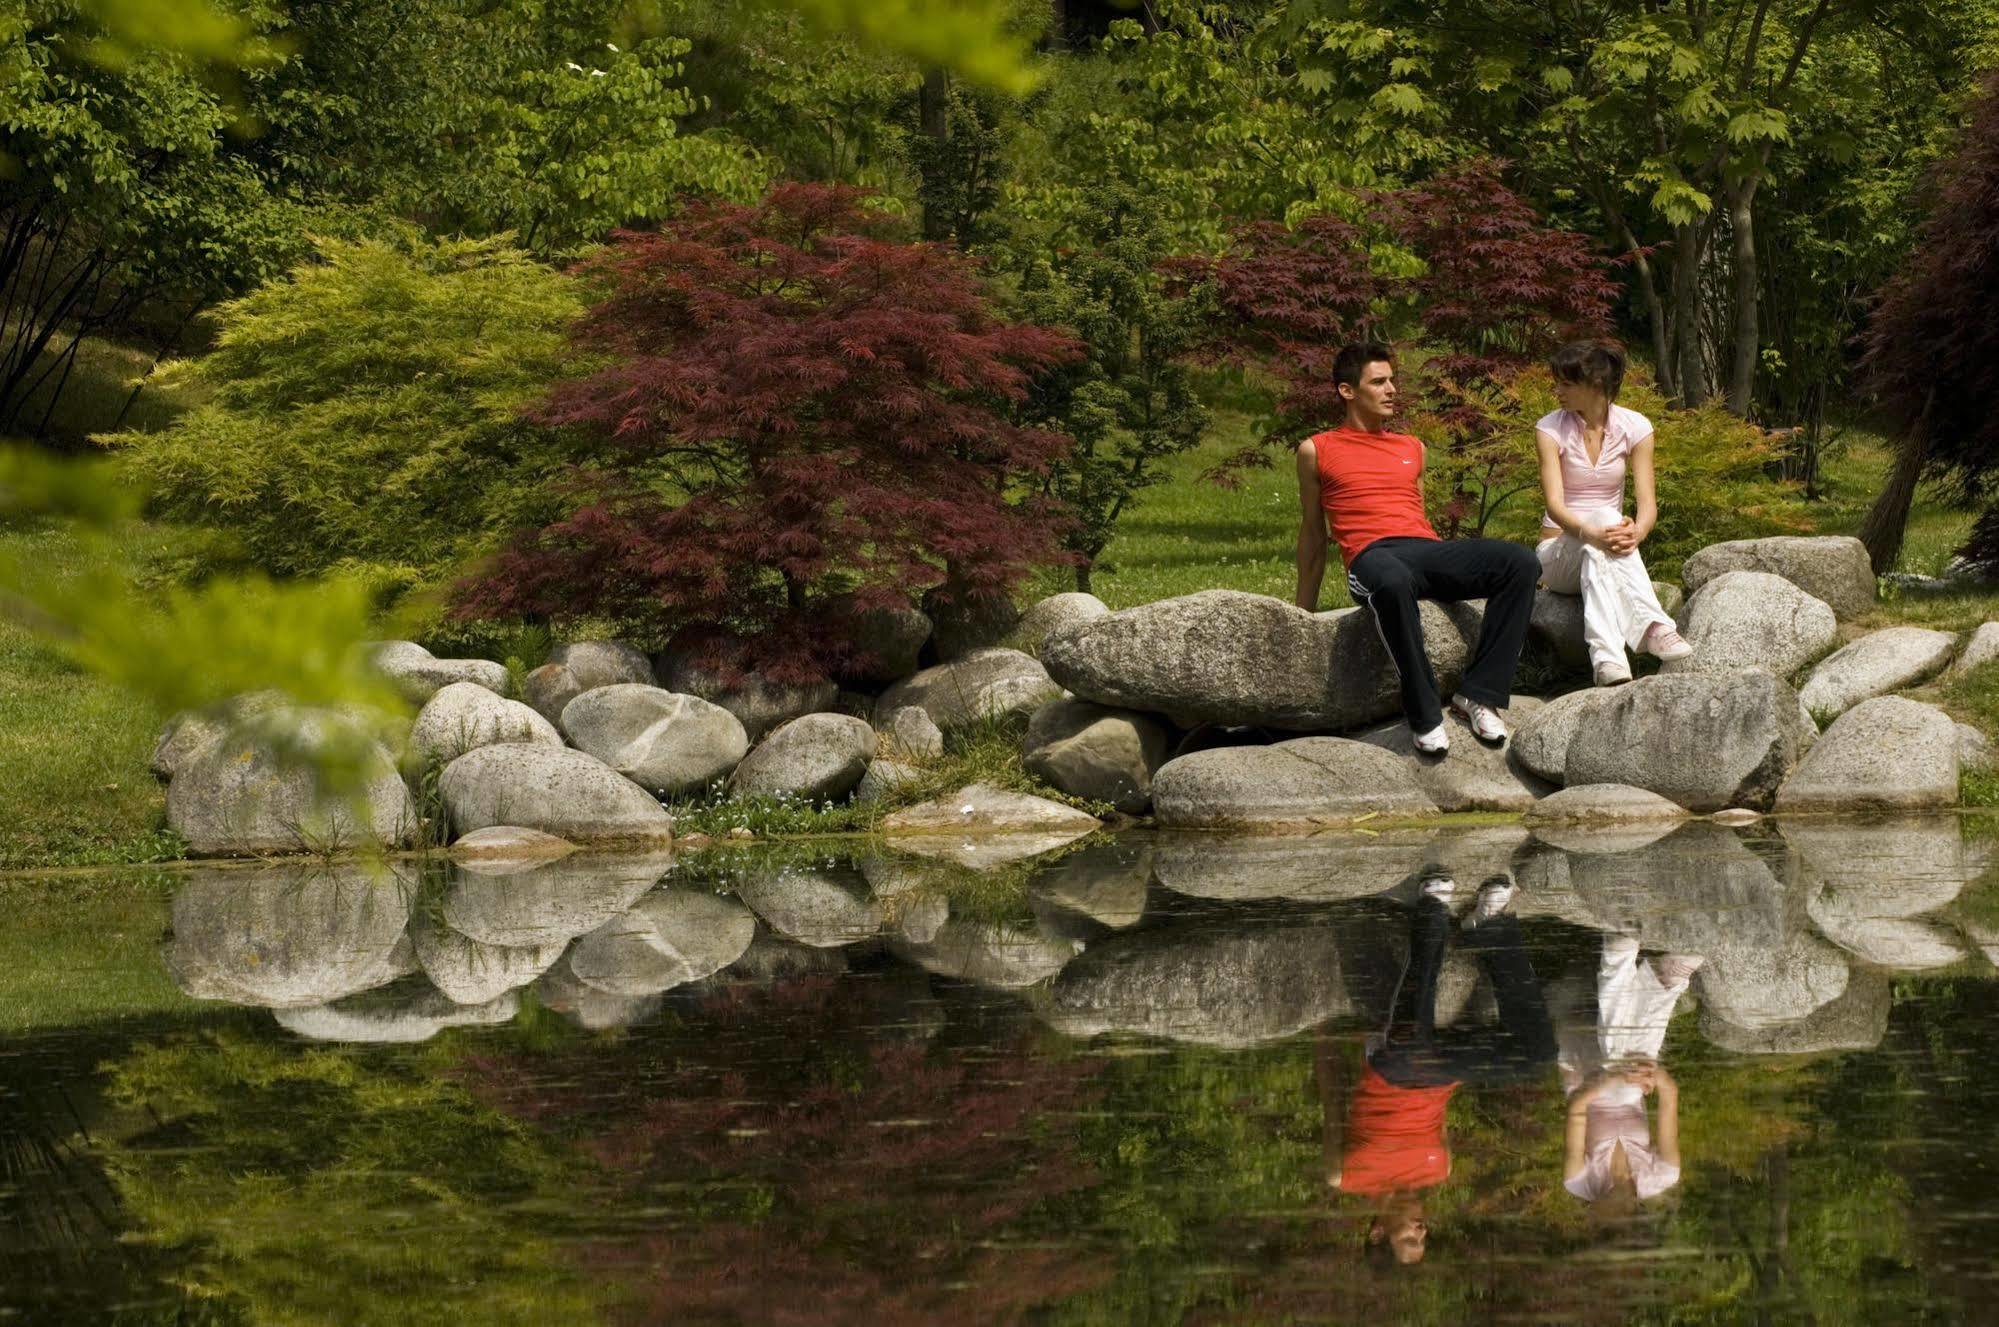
1664	643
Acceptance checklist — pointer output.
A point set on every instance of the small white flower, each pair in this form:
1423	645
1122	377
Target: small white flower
596	73
571	64
965	810
611	47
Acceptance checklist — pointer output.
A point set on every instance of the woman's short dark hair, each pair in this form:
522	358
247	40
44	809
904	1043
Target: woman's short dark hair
1598	364
1352	361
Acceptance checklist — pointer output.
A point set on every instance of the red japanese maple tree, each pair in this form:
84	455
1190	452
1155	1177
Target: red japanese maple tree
1497	289
809	412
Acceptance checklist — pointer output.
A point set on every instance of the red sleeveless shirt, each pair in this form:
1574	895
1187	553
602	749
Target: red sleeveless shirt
1371	486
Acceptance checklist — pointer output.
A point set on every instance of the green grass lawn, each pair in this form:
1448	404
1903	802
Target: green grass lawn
74	788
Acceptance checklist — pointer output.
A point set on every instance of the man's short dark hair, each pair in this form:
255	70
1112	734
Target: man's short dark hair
1352	361
1598	364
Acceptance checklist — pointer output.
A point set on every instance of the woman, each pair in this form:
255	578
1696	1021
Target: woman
1588	545
1610	1148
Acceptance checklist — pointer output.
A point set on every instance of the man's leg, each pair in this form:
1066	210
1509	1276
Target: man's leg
1382	582
1502	574
1524	1041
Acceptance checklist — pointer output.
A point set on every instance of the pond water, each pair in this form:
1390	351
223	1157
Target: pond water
1111	1084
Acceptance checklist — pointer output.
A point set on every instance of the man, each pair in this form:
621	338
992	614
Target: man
1367	484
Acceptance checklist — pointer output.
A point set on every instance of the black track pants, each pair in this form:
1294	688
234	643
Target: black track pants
1391	576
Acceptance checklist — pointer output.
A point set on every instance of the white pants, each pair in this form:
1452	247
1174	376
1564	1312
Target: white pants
1619	603
1635	1000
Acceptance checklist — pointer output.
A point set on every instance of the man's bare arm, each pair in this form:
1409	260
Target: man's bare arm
1311	529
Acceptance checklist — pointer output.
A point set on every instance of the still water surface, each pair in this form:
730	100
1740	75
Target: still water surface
1148	1080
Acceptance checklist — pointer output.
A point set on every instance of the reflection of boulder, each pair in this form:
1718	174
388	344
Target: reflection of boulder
289	937
772	958
667	939
1872	878
469	972
1217	985
825	907
1105	882
408	1011
1856	1021
1324	867
913	894
590	1008
1008	955
520	905
1900	943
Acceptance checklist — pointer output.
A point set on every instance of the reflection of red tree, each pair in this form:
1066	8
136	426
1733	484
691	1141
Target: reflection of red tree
817	1173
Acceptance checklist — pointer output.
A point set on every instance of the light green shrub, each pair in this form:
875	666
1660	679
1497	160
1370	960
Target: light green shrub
364	415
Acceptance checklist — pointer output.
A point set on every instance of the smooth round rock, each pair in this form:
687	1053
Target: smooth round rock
602	663
1053	616
1876	664
419	674
1540	744
462	716
1305	783
241	795
667	743
1094	751
1602	804
817	757
1834	569
510	843
980	807
982	683
1750	619
1888	753
562	792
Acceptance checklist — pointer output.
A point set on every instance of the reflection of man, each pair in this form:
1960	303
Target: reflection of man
1609	1147
1368	484
1385	1139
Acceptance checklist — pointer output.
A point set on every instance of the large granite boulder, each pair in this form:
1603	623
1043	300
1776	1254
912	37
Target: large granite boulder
418	674
257	790
525	905
1855	1021
816	757
602	663
191	730
570	794
1090	750
471	973
758	703
976	685
1981	648
1874	665
1706	741
463	715
1884	754
1540	745
1231	658
1218	984
667	939
1749	619
666	743
1305	783
824	907
289	937
1831	568
1053	616
1473	776
405	1013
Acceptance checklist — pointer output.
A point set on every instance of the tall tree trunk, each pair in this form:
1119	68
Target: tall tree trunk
1083	578
933	102
1888	519
1748	287
1688	250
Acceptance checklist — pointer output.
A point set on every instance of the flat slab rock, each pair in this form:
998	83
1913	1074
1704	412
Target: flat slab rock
1306	783
1602	804
1471	776
980	807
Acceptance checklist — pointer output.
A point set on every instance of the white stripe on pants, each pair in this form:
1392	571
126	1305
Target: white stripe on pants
1619	603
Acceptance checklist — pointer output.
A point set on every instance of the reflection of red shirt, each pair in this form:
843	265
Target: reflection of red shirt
1395	1137
1370	485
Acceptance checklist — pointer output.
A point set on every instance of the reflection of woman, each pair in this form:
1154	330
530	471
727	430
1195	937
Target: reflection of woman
1610	1147
1588	545
1385	1138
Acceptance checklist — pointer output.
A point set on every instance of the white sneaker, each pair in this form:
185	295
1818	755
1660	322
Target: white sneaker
1612	673
1484	721
1438	885
1433	743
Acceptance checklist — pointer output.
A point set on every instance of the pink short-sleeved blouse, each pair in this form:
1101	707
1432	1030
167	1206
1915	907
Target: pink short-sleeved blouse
1587	487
